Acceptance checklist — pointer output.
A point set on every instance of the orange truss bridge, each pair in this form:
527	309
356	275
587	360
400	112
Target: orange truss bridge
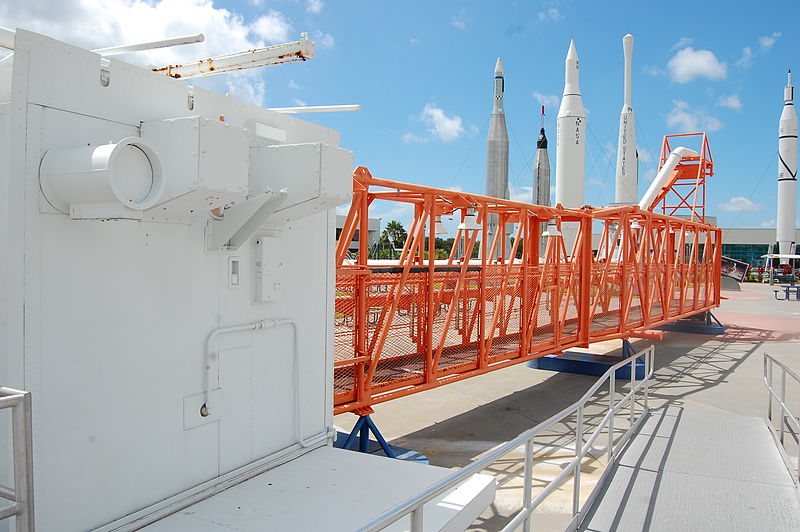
415	322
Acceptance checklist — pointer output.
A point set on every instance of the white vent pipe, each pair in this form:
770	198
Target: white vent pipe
663	174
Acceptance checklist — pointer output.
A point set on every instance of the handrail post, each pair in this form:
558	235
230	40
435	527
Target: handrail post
416	519
576	491
528	484
611	392
768	377
647	368
633	389
783	402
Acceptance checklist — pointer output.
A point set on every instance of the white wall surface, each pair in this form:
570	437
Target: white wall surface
116	312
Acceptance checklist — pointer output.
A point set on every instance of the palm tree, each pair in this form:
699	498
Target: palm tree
395	234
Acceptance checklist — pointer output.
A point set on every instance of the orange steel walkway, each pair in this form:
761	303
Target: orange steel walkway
415	323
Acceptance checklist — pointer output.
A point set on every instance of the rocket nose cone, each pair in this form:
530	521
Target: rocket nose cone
498	67
572	53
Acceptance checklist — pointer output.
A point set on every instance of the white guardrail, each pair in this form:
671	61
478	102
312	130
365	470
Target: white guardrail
788	420
415	505
21	495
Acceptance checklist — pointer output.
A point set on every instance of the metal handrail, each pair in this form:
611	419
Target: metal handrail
21	495
786	414
415	505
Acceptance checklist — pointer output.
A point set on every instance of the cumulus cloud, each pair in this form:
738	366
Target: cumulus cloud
409	138
689	64
324	40
550	14
548	100
652	70
644	155
687	120
460	21
767	41
747	57
272	27
293	84
768	223
732	102
112	22
445	128
649	175
739	204
523	193
314	6
683	42
298	102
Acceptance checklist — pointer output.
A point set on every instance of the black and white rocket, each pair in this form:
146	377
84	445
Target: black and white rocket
497	148
627	179
541	169
787	174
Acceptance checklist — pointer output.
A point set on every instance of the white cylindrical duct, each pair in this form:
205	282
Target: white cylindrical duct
663	174
127	173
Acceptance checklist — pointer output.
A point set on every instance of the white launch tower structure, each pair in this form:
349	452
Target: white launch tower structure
787	174
627	178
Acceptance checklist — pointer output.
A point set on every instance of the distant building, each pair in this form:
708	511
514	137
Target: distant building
373	235
748	244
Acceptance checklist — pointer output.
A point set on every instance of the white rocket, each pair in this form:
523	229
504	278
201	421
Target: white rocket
497	149
570	137
541	169
787	174
627	182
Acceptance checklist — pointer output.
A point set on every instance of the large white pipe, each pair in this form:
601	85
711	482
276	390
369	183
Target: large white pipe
664	174
150	45
627	179
787	174
571	137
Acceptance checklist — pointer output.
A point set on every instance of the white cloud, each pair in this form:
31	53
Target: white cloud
731	101
293	84
768	223
689	64
314	6
325	40
652	70
113	22
644	155
767	41
273	27
456	188
747	57
413	41
548	100
245	87
523	193
460	21
408	138
738	204
649	175
445	128
298	102
683	42
687	120
550	14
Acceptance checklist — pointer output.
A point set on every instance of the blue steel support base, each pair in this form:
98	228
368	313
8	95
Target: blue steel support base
589	364
703	323
361	430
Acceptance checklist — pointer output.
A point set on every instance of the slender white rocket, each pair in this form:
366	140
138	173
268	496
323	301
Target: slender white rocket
787	174
497	149
627	181
570	137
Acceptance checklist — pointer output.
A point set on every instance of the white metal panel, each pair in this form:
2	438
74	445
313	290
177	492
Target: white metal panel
116	313
317	177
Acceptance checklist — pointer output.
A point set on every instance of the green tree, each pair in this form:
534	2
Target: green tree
395	235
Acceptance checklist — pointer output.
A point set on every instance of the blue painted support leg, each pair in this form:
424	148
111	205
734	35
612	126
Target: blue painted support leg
361	430
627	348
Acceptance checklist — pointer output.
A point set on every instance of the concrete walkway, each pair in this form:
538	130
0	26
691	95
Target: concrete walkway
689	470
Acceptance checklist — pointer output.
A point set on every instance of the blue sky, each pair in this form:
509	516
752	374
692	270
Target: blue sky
422	72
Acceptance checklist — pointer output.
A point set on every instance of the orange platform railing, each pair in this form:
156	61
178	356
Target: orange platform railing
415	322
